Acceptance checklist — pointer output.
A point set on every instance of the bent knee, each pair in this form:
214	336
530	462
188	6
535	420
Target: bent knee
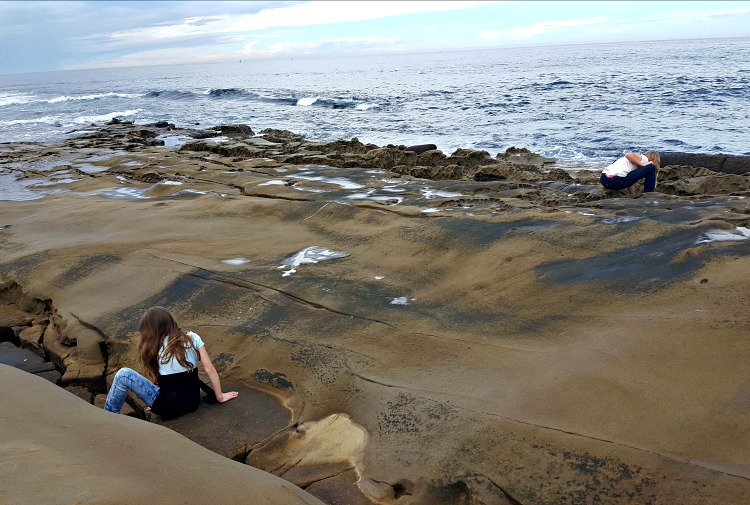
123	373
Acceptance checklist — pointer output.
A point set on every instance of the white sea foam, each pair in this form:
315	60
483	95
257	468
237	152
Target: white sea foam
92	97
308	100
171	183
43	119
13	99
274	182
309	255
741	233
366	106
105	117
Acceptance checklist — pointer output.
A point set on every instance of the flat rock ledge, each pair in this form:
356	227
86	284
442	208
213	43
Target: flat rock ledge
405	326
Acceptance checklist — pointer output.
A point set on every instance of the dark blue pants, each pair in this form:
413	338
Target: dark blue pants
647	172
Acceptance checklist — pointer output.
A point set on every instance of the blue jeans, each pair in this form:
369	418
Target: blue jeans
646	172
127	379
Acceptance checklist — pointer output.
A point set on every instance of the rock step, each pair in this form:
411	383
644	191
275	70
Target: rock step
27	361
724	163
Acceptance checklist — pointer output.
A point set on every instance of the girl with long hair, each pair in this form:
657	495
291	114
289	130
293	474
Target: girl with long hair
170	356
631	168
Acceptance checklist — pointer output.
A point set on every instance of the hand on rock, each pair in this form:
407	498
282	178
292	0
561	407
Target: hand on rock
225	397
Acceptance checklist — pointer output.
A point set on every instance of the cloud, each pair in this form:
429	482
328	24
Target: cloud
665	25
324	45
537	29
287	15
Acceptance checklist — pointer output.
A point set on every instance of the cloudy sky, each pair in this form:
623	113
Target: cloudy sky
57	35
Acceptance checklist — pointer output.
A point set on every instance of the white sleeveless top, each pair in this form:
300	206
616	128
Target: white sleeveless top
623	167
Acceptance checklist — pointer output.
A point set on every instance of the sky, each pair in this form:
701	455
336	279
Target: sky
62	35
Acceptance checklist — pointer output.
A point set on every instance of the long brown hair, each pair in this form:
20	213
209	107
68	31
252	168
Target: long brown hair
156	324
654	158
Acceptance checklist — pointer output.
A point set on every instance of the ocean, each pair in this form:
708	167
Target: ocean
581	104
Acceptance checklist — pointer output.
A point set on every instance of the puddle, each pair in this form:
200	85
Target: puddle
173	140
191	192
392	200
55	181
236	261
741	233
14	190
338	181
311	190
312	254
618	220
273	183
90	168
101	157
402	300
171	183
433	193
121	193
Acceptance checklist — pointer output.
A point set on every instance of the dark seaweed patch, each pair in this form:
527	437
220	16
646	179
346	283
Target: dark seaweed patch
648	266
84	267
277	380
483	233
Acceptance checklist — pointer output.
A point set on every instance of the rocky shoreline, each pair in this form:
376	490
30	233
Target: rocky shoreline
418	327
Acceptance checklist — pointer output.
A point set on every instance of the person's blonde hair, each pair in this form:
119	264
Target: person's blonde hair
654	158
156	324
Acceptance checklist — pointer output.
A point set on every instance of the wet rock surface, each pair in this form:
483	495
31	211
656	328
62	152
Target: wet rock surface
472	329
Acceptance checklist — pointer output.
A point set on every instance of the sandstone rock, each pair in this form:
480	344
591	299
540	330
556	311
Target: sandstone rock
40	419
234	428
463	332
12	315
31	338
314	452
522	156
281	136
127	409
236	130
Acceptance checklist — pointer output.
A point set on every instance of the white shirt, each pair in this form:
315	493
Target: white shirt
173	366
623	167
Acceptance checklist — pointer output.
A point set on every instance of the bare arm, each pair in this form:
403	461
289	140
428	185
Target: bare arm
214	377
636	159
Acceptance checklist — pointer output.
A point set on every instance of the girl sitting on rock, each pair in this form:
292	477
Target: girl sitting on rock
631	168
171	387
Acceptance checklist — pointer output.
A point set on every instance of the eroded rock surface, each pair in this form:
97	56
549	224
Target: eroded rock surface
503	331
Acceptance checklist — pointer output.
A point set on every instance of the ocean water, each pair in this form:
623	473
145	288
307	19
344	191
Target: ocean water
580	104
